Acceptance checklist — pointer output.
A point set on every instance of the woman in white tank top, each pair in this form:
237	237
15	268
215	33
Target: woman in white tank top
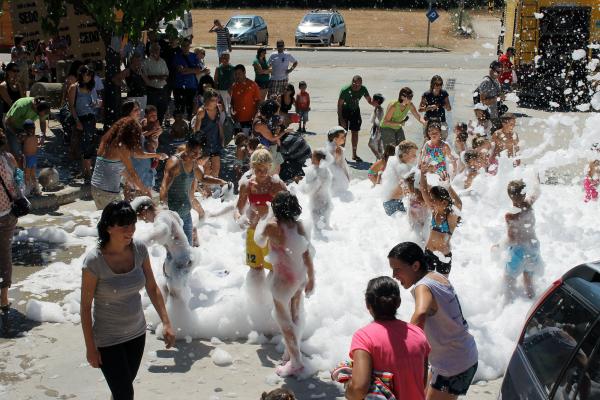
453	357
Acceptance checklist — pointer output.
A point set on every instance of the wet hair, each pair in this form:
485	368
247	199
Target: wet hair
240	67
378	97
320	155
405	92
74	67
253	143
269	108
410	253
117	213
516	189
435	79
150	109
194	142
432	124
286	206
41	105
441	193
126	131
389	151
260	50
479	141
278	394
205	80
470	155
290	87
210	94
301	84
383	297
331	135
128	106
261	156
356	78
240	138
141	204
505	118
83	71
405	146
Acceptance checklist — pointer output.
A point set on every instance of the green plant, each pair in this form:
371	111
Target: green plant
461	24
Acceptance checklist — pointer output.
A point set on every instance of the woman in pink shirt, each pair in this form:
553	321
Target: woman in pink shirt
388	345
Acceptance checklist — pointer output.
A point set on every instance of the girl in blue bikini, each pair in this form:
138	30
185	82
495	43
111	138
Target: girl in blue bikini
442	202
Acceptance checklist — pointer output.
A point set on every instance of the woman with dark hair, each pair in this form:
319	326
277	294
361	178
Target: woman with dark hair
453	357
388	344
131	108
83	101
70	79
113	274
268	127
9	191
292	274
287	99
117	146
262	71
10	89
207	122
392	131
435	102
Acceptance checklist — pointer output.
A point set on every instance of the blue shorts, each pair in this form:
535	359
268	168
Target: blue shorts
457	385
523	258
393	206
303	116
31	161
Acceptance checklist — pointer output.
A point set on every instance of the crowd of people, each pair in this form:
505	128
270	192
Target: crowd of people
182	144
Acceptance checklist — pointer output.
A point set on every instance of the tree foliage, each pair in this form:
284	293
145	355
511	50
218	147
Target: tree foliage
135	15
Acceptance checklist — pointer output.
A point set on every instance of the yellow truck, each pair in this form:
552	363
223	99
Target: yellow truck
553	40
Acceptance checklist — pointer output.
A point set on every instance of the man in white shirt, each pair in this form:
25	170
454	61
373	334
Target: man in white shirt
280	65
157	72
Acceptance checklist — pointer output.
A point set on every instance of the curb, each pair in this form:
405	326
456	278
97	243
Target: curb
423	50
53	200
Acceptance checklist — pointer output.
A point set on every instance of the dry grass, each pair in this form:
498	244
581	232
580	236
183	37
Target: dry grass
366	27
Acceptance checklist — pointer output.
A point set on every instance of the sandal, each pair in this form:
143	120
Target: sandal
357	159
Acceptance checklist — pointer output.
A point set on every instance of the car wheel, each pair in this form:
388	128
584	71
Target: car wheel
298	44
266	41
343	42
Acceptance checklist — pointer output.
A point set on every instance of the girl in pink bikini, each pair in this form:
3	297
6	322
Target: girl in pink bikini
592	178
292	275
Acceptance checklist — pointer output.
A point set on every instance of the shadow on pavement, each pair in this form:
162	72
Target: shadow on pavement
184	355
14	323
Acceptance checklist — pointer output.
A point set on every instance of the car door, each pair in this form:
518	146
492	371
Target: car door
342	27
335	28
550	339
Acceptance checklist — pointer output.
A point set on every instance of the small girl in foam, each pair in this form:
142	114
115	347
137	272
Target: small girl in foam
336	138
592	178
317	184
437	152
292	274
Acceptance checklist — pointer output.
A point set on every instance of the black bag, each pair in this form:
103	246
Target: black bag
20	206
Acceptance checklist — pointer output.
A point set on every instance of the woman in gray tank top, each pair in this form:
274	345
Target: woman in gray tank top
453	357
113	274
118	145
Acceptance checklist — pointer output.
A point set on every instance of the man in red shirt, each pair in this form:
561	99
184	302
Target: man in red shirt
245	96
506	77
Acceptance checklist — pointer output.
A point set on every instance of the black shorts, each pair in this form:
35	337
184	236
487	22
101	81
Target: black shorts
263	85
457	385
435	264
352	118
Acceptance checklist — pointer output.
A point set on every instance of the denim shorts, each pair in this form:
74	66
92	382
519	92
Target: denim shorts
457	385
393	206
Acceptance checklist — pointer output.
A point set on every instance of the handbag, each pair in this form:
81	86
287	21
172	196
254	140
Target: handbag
20	206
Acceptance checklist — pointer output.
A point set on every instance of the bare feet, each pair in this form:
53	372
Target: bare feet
289	369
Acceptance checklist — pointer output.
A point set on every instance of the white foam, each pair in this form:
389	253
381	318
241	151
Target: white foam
221	358
43	311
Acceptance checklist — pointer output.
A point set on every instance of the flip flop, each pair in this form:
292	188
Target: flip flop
357	159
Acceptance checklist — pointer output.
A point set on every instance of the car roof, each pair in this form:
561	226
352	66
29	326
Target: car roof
585	280
244	16
328	12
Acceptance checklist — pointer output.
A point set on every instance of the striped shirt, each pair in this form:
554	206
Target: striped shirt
222	37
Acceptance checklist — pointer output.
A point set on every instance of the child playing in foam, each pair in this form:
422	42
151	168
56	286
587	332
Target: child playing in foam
472	161
317	184
592	178
392	178
523	244
437	152
378	167
292	274
444	220
418	213
336	138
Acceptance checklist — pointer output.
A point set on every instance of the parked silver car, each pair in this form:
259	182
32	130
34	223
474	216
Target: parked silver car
248	29
183	25
321	27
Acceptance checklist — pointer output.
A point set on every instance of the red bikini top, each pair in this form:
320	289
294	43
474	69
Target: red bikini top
260	199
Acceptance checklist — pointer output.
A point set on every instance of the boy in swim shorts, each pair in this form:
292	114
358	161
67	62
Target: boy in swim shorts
30	148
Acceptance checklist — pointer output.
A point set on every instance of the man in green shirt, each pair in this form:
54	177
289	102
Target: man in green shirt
349	111
21	110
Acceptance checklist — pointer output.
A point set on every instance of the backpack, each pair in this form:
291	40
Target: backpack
477	93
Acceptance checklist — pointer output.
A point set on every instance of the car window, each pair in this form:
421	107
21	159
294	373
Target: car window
256	21
582	376
261	21
239	23
552	335
316	19
334	21
341	19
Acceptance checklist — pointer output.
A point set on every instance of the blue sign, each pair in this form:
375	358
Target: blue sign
432	15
